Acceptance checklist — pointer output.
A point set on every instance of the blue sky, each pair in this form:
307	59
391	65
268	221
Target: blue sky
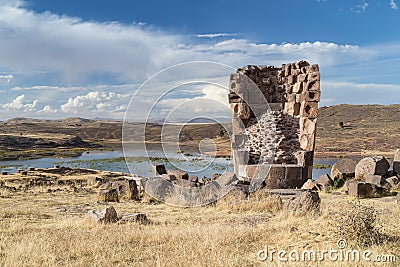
87	58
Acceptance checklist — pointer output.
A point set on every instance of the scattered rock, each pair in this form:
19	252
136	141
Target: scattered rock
324	181
372	165
215	176
136	217
343	169
107	215
168	177
179	174
126	189
394	182
307	202
159	169
227	178
396	162
193	178
310	185
373	179
108	195
360	189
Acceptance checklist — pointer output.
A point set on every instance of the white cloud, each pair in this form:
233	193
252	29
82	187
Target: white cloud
393	5
19	103
360	8
48	110
6	78
215	35
77	48
83	50
334	92
80	49
96	102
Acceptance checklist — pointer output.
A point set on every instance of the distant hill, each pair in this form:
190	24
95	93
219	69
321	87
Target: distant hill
341	128
366	128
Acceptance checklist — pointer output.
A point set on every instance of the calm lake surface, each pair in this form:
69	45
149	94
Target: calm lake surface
140	164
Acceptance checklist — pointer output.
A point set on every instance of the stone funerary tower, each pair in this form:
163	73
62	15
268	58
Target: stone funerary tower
274	116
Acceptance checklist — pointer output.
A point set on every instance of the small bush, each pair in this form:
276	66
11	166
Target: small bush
359	224
338	183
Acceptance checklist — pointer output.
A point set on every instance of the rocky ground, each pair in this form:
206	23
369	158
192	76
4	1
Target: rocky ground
47	219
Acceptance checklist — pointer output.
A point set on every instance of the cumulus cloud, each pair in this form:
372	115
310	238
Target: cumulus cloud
48	110
75	47
393	5
96	102
20	103
80	49
6	78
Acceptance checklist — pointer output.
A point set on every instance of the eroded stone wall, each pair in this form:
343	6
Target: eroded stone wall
274	115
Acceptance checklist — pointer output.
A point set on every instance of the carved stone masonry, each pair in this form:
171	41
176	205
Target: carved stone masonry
274	116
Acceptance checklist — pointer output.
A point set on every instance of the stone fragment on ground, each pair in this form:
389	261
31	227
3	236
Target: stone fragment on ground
396	162
394	182
136	217
108	195
226	179
127	189
373	179
310	185
179	174
107	215
307	203
158	169
324	182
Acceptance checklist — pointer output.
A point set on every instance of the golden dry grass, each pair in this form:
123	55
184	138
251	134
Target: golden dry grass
52	229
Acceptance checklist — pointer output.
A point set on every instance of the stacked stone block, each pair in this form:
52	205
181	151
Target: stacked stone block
274	115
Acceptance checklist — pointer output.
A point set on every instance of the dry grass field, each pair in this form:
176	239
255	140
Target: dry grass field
41	228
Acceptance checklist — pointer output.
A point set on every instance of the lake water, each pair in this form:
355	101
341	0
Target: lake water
140	164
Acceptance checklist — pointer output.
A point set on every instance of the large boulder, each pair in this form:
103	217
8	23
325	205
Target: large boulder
308	202
107	215
396	162
343	169
398	198
372	165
